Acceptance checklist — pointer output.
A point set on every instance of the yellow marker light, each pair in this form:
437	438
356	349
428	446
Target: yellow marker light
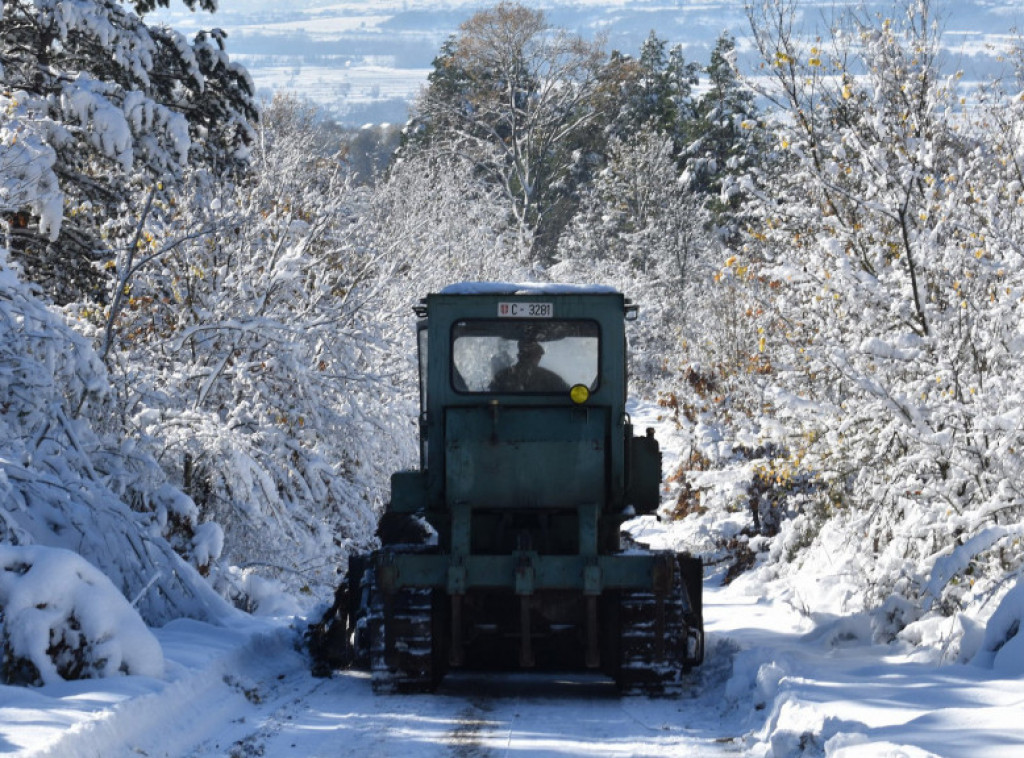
579	394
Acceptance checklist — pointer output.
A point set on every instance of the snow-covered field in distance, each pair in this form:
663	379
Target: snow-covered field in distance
365	60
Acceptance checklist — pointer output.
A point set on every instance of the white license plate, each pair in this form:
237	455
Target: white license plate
526	310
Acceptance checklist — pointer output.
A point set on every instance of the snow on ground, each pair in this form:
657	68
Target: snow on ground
778	681
774	684
825	689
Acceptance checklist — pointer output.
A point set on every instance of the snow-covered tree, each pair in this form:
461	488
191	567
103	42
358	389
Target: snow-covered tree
723	135
64	483
695	347
653	92
890	235
93	107
436	222
370	150
513	96
639	217
120	106
641	230
250	358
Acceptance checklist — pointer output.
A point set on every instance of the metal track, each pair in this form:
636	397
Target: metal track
399	632
401	637
660	639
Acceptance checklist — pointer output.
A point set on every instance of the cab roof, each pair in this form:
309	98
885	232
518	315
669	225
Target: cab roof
525	288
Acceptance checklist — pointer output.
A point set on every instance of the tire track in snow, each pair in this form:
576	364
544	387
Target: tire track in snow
466	738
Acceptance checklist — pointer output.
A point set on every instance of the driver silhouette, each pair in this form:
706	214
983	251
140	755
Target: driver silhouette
526	375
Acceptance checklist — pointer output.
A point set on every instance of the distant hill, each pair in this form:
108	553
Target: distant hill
365	60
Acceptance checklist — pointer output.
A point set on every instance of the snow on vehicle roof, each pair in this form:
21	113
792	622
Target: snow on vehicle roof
524	288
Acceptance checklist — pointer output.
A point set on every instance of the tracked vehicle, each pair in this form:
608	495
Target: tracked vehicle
504	550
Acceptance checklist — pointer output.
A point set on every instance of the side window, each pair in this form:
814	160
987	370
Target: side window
421	340
524	356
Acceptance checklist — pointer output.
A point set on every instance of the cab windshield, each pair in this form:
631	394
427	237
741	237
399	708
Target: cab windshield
524	356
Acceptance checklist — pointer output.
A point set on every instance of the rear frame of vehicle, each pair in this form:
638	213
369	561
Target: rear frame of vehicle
503	550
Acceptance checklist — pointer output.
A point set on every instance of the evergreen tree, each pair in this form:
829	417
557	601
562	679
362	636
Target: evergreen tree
723	136
653	92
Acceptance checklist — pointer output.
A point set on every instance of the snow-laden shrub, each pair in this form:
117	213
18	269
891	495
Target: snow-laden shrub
267	361
884	250
62	618
64	484
259	595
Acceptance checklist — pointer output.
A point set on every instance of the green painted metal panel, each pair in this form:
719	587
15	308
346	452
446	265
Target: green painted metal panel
606	309
509	457
408	492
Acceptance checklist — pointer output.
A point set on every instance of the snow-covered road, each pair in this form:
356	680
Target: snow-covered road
249	693
472	716
774	684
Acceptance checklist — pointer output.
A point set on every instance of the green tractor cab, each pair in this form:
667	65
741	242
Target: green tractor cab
503	551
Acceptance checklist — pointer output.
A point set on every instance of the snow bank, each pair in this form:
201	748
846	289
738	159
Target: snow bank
213	676
1003	645
62	618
